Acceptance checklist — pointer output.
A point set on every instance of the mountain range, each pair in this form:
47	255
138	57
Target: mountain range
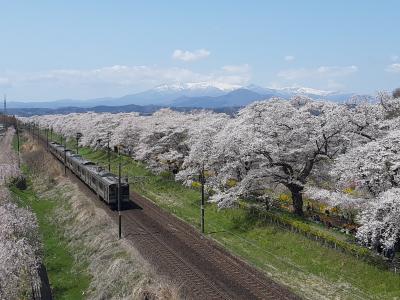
198	95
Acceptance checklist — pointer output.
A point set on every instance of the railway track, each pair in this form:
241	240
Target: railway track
227	272
202	268
192	280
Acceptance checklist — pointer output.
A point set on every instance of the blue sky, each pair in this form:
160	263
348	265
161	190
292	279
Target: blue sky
85	49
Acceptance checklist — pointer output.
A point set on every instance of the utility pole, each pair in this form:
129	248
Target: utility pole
108	150
5	112
119	197
51	133
65	156
78	136
47	138
16	125
202	181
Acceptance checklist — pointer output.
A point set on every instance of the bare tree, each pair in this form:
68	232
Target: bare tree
396	93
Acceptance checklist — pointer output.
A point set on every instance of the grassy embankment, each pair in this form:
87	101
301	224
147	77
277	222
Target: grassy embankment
67	277
82	254
309	268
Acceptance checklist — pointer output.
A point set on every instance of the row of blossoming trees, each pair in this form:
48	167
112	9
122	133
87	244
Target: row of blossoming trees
346	156
19	240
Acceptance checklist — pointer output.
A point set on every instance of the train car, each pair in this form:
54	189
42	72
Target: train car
102	182
106	185
77	163
58	151
52	147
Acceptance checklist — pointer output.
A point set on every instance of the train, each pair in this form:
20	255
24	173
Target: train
102	182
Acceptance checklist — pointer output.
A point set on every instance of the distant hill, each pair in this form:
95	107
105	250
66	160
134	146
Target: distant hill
160	95
141	109
147	109
200	95
239	97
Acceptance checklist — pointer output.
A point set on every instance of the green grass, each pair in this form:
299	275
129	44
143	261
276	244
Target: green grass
68	279
22	140
310	268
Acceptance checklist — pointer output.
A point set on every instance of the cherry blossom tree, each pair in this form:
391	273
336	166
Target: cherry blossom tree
373	168
381	222
314	148
162	140
279	142
19	249
335	198
19	240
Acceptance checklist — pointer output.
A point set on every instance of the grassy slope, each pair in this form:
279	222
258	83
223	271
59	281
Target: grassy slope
67	278
15	143
310	268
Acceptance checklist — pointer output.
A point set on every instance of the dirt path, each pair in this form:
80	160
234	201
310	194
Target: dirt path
8	159
203	269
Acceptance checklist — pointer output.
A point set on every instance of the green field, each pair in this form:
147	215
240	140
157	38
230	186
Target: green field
68	278
309	268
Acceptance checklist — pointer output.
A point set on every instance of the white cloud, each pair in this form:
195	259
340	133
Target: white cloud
4	82
323	71
393	68
114	75
236	68
334	85
114	80
188	56
146	76
289	58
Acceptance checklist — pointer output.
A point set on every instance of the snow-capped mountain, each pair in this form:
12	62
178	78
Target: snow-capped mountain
306	91
196	94
251	93
190	87
166	94
267	91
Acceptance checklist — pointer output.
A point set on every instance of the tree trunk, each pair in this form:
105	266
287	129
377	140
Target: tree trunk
297	198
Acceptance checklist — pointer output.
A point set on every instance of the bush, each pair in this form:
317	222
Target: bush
19	182
231	183
196	185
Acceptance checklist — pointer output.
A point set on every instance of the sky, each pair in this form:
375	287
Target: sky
87	49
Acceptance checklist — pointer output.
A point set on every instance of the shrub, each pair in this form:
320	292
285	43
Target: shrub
196	185
231	182
19	182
